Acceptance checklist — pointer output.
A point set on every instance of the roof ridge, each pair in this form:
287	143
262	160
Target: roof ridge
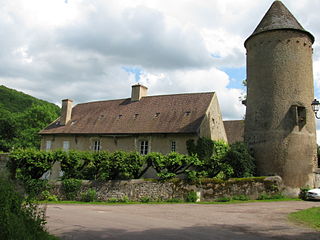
165	95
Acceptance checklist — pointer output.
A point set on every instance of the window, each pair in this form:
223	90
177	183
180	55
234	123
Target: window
173	146
144	146
48	145
96	145
66	145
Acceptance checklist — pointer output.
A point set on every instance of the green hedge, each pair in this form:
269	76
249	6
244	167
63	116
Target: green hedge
206	158
32	164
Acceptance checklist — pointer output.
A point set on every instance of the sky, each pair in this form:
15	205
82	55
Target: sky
89	50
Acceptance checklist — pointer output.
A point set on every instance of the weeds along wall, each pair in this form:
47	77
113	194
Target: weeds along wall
175	189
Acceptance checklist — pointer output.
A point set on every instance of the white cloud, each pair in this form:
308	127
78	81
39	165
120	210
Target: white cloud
184	81
55	50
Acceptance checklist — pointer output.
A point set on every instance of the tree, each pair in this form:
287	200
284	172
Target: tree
8	130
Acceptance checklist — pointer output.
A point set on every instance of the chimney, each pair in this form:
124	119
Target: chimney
66	111
138	91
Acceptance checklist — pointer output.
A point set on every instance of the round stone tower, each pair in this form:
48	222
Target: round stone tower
279	123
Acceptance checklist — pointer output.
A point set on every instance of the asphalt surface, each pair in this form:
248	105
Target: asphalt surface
247	221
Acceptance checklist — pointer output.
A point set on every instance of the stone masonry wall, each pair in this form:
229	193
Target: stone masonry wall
209	190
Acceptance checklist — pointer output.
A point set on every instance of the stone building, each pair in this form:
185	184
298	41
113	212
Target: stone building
279	123
279	126
141	123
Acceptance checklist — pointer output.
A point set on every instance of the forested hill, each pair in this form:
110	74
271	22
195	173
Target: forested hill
22	117
14	101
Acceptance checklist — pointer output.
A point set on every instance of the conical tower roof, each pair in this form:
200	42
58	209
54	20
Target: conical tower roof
278	17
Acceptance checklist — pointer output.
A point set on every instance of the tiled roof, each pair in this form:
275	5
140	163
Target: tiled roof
278	17
234	130
180	113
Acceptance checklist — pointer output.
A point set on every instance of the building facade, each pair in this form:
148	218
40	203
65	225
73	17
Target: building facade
141	123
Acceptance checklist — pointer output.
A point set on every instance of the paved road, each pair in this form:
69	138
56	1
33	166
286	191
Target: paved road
248	221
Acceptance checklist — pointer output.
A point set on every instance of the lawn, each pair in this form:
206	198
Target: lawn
309	217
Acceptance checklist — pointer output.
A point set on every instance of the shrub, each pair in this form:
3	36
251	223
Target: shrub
264	196
145	200
240	160
223	199
89	196
71	188
124	199
19	217
191	197
34	187
241	198
46	195
203	148
112	200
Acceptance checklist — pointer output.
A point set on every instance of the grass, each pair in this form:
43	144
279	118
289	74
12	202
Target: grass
309	217
169	202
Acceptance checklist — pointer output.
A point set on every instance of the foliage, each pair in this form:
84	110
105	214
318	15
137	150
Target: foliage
21	118
241	160
89	196
170	165
213	157
145	200
264	196
303	193
125	165
20	218
101	165
223	199
76	164
309	217
71	188
221	160
125	199
34	187
203	148
216	165
240	198
225	162
46	195
191	197
27	164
